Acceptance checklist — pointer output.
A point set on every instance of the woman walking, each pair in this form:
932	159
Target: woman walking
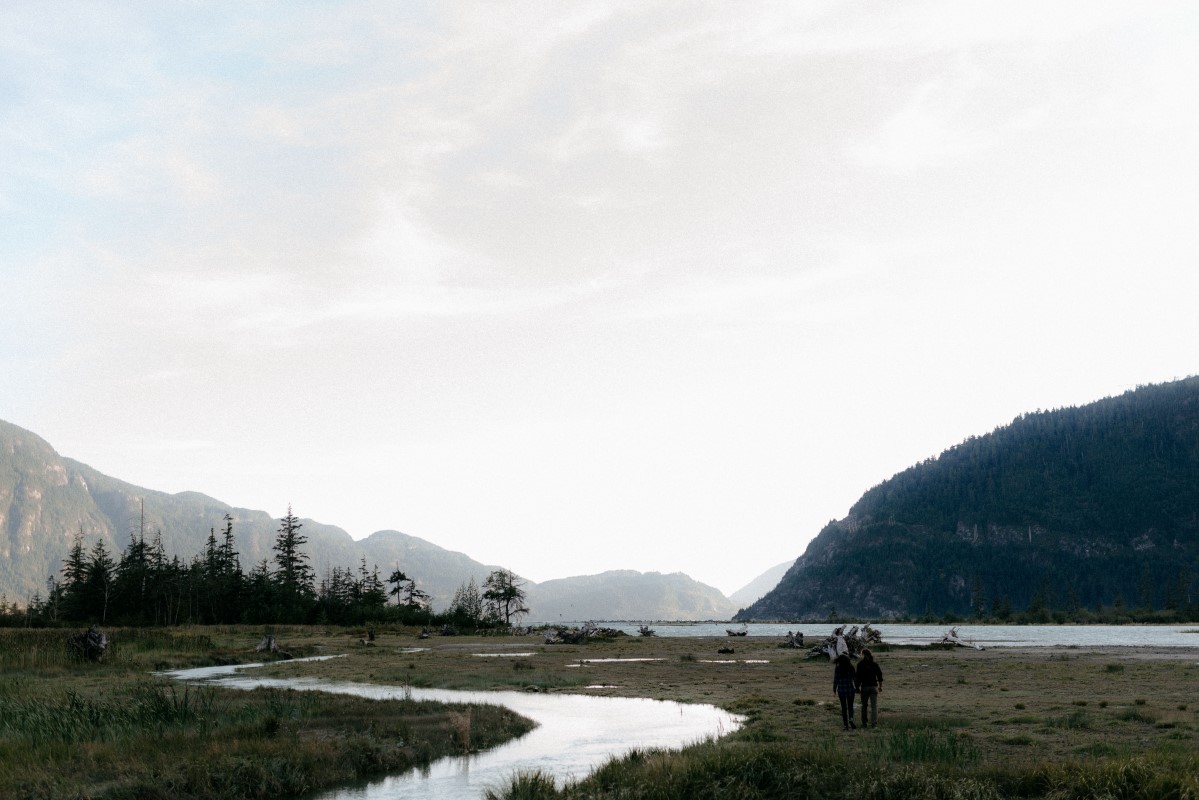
844	685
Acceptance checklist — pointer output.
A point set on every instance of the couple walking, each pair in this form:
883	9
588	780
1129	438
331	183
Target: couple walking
867	678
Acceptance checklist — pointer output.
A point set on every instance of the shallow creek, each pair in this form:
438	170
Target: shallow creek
574	733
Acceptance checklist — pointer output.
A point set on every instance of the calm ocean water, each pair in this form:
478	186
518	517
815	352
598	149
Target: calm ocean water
985	635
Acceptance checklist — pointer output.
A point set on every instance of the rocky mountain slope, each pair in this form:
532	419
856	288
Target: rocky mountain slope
47	499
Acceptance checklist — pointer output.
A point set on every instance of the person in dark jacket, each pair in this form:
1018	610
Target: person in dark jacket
844	685
870	683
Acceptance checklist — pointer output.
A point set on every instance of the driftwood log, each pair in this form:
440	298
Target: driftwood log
850	641
91	644
792	640
563	635
951	637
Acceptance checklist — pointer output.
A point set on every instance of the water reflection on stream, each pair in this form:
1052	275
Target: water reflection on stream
574	733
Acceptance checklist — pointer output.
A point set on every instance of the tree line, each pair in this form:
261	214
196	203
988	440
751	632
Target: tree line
142	587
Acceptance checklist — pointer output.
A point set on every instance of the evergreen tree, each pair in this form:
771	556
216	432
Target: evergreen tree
159	589
261	604
372	595
98	583
294	578
228	581
467	604
1145	587
53	600
74	573
978	602
229	557
133	582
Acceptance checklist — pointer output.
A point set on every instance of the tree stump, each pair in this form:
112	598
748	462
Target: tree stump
92	644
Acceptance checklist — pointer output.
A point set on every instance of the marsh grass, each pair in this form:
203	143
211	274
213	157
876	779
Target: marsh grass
1137	715
1074	721
1022	719
1019	740
920	722
1136	777
72	729
76	717
933	746
715	771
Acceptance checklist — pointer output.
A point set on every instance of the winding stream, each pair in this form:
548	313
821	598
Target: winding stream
574	735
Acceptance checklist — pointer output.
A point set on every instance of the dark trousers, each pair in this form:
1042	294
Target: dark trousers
870	701
846	709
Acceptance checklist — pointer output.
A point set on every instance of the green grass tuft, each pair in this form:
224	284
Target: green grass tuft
525	786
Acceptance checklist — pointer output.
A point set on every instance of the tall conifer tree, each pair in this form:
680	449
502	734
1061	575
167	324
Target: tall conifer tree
293	577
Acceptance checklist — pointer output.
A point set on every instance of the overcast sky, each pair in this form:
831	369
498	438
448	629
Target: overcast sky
581	286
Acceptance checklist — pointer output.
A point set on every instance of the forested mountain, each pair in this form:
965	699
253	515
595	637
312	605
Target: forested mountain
1066	509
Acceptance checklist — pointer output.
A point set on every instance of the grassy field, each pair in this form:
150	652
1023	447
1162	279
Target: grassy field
1035	722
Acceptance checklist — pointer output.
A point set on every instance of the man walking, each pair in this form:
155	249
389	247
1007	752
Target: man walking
870	683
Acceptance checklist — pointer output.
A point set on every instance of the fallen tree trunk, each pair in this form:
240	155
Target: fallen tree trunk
562	635
951	637
850	642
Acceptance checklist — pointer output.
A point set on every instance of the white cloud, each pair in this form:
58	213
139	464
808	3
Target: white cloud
923	134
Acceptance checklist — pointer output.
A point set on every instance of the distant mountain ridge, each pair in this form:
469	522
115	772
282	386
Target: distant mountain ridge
626	595
46	499
1088	506
759	586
